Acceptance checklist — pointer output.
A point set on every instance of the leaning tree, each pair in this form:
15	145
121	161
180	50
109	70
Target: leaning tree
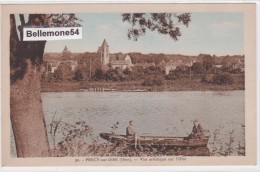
26	59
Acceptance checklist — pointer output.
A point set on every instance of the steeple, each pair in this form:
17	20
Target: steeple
104	44
66	54
104	52
65	48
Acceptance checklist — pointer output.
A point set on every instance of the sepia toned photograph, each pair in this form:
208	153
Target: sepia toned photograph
128	86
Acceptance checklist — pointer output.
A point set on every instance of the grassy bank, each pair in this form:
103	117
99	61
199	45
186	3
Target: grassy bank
168	85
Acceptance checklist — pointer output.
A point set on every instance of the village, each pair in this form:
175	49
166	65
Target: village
136	71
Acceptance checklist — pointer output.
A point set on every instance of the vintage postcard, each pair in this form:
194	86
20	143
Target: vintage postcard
128	84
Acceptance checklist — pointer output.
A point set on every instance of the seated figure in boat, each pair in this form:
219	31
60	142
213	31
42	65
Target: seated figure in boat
130	130
131	134
197	131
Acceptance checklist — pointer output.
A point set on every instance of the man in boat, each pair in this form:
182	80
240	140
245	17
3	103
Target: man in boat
131	134
130	130
197	131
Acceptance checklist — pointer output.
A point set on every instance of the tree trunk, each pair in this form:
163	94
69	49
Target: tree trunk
27	116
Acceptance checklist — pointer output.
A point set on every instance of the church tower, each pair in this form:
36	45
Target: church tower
104	53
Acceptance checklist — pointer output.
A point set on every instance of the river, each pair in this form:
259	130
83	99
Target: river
222	114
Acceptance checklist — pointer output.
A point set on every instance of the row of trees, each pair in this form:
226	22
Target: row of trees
64	72
206	71
153	75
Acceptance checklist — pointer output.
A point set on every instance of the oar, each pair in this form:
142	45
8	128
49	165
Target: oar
149	133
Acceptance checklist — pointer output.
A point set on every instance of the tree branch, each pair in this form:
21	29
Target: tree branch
22	19
13	32
20	28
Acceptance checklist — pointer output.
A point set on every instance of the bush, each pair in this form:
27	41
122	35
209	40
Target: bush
153	70
172	75
64	72
136	73
99	75
207	78
222	79
208	62
115	75
198	68
152	82
79	75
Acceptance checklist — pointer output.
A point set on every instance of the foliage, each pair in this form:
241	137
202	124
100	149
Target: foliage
152	81
237	71
110	75
127	71
172	75
213	70
90	62
78	140
79	75
64	72
80	130
63	20
208	62
226	68
115	75
163	23
182	70
198	68
153	70
207	78
99	75
136	73
222	79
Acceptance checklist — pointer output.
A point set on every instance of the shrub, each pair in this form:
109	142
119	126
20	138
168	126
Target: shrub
64	72
208	62
198	68
115	75
152	82
153	70
207	78
99	75
222	79
79	75
172	75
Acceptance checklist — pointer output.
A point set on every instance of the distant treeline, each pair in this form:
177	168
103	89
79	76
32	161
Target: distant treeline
89	69
148	58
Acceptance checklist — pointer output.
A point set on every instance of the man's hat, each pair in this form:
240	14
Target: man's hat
131	121
195	120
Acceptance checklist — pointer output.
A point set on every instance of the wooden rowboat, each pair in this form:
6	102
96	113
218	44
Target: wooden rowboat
157	141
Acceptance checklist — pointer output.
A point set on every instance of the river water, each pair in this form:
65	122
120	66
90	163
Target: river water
222	114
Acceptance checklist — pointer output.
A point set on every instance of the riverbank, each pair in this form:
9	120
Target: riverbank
168	85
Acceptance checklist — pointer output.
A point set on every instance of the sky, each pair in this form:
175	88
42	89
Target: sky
215	33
